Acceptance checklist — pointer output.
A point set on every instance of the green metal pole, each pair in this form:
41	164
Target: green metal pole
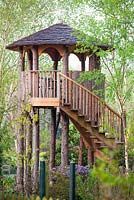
42	179
72	181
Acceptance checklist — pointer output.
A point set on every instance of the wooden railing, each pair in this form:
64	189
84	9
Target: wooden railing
41	84
90	106
54	84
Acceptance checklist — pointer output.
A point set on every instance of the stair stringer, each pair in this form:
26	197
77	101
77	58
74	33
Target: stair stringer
88	128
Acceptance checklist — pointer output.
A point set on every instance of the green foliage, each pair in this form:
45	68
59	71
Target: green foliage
106	181
87	188
60	188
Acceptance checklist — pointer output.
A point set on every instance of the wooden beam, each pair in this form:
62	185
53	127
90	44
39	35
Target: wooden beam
45	102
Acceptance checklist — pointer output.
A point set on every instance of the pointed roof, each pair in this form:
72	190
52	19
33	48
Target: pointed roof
55	34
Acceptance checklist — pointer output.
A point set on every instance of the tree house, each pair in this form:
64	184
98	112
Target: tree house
59	91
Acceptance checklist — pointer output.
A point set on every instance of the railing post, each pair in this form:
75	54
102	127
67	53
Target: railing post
58	85
72	181
42	179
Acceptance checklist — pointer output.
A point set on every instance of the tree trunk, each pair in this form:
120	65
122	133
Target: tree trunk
125	142
28	181
20	133
36	152
20	159
53	139
64	141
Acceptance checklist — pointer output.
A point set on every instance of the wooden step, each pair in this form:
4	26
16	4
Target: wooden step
98	142
88	120
74	110
67	104
93	137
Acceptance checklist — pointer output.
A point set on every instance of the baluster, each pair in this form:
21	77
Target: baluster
98	112
80	99
77	98
73	96
93	108
58	85
87	104
70	92
47	86
54	84
66	91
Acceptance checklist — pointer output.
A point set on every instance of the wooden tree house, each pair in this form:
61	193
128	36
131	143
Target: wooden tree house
58	91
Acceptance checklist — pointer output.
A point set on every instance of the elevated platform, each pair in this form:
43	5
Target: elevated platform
45	102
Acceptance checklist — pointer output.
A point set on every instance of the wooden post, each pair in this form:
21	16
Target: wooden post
80	159
20	134
64	119
64	141
36	129
90	156
30	59
28	173
83	62
53	139
94	62
65	61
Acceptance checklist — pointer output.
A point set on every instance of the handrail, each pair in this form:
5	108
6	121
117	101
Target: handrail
63	75
90	106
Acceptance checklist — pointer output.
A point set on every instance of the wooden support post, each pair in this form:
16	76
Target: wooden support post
36	127
64	119
20	133
53	139
35	67
65	61
30	59
28	173
80	159
90	156
83	62
94	62
64	141
36	151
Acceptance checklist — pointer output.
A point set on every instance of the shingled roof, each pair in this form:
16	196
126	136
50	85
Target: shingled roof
55	34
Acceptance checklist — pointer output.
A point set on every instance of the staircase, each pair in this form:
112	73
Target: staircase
100	126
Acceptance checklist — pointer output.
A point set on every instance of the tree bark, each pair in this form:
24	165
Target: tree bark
64	119
36	152
20	133
125	140
28	181
64	141
53	139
